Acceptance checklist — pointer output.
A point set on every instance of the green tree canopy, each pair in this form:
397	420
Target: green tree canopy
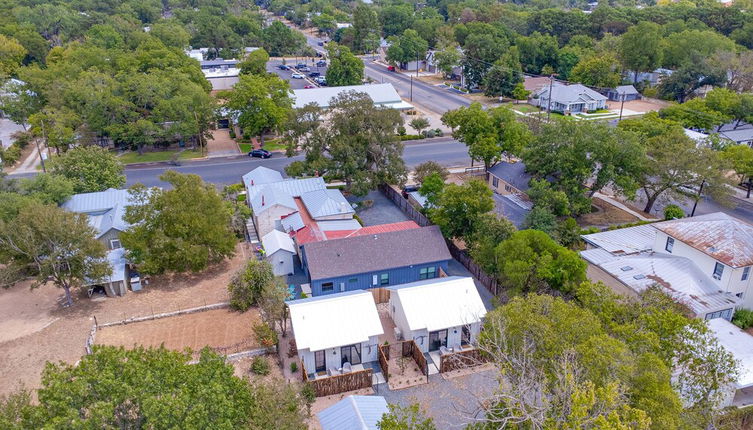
407	47
262	103
459	207
255	63
344	67
640	47
90	168
279	40
602	71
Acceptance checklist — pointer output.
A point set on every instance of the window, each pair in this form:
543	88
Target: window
437	339
350	354
726	314
427	273
319	365
384	279
718	270
353	280
508	188
328	286
115	244
670	244
374	280
746	273
495	181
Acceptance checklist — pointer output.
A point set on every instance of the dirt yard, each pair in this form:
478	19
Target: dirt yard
219	328
606	215
645	105
35	329
408	376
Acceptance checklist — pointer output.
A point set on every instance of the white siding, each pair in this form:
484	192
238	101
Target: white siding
332	356
282	262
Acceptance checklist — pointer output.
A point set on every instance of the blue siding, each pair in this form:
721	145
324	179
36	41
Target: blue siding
363	281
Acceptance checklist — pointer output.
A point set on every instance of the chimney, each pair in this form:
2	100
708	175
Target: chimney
252	182
262	199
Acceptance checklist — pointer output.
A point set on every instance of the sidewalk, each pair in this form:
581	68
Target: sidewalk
30	164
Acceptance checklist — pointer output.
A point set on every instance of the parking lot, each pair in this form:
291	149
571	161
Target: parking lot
297	84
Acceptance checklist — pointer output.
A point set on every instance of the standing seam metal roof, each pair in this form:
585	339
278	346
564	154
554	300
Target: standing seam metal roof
354	413
326	202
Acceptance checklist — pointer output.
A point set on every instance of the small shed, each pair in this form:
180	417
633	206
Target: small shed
354	413
627	91
279	249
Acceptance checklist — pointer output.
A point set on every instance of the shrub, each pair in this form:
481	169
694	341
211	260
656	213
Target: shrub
410	137
357	218
10	155
247	284
743	318
401	131
438	132
232	133
265	335
293	367
673	212
260	365
430	134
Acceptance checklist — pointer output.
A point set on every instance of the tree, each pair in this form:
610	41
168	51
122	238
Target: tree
171	33
279	40
11	55
501	80
406	48
325	23
262	103
184	228
427	168
419	124
640	48
480	51
46	188
741	159
255	63
695	113
530	260
405	418
365	28
53	245
447	59
683	47
431	188
18	102
358	143
272	304
344	67
694	74
116	388
460	206
520	92
673	212
488	231
90	168
489	134
600	71
248	284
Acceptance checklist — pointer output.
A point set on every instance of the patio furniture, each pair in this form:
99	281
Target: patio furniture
347	368
443	350
291	292
334	372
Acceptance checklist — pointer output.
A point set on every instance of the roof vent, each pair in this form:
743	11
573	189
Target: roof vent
712	249
375	237
626	268
639	276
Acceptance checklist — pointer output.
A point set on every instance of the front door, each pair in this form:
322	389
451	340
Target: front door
319	364
465	339
437	339
350	354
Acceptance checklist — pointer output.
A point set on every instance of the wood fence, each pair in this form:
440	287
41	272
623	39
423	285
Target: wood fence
405	348
338	383
460	360
489	282
381	295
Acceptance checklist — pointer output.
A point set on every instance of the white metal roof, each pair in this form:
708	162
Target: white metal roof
105	209
117	260
677	276
440	303
379	93
326	202
354	413
270	196
739	344
294	187
339	225
630	240
292	222
276	240
334	320
261	175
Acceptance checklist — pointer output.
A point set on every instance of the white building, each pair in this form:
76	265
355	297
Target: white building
279	249
336	329
740	345
703	262
383	95
438	313
568	99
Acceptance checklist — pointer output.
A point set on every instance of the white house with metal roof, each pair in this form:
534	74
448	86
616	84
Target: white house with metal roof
703	262
336	332
354	413
327	204
279	250
569	98
438	314
740	344
383	95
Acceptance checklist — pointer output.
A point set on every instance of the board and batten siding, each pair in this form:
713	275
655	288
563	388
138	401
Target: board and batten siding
363	281
332	356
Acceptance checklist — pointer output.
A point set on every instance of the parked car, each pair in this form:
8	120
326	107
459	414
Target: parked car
283	67
308	87
260	153
321	80
409	189
320	43
304	69
391	68
297	75
300	65
314	74
321	63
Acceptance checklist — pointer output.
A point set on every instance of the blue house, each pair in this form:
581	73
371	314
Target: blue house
373	261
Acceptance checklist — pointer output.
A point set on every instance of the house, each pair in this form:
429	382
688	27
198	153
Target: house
279	250
741	134
325	204
223	77
740	344
354	413
509	178
703	262
624	93
568	99
336	329
653	78
269	205
377	260
329	230
438	313
383	95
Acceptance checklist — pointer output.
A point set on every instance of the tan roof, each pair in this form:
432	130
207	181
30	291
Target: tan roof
724	238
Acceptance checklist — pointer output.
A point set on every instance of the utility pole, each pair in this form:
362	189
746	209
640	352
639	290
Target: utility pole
621	106
700	190
549	99
411	88
39	151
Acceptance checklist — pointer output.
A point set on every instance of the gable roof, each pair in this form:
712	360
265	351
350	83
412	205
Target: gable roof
326	230
381	94
105	209
294	187
292	222
275	241
325	202
718	235
441	303
334	320
362	254
354	413
261	175
625	89
628	240
270	196
575	93
512	173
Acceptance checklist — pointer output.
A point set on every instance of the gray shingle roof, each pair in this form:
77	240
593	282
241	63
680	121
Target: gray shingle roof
322	203
363	254
575	93
512	173
626	89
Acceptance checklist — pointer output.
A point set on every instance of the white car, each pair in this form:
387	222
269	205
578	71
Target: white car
296	75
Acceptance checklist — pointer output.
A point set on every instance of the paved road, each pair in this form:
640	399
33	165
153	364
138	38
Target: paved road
226	171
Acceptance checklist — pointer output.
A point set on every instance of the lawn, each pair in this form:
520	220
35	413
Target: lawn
524	107
269	145
132	157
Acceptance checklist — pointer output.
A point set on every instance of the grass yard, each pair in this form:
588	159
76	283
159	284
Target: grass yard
269	145
132	157
524	107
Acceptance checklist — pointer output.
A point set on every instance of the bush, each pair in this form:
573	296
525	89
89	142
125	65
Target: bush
260	365
743	318
673	212
232	133
357	218
401	131
410	137
430	134
438	132
10	155
293	367
247	284
266	336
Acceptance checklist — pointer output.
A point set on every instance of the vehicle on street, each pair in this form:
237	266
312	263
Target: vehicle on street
321	63
299	65
409	189
304	69
321	80
283	67
308	87
314	74
297	75
320	43
391	68
260	153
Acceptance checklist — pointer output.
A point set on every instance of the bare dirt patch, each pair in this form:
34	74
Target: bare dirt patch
404	373
25	311
605	216
243	370
219	328
645	105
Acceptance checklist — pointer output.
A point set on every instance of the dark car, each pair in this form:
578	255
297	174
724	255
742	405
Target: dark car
409	189
260	153
314	74
299	66
321	63
320	43
283	67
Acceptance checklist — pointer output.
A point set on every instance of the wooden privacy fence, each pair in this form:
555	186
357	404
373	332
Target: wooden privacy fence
405	348
338	383
460	360
489	282
381	295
